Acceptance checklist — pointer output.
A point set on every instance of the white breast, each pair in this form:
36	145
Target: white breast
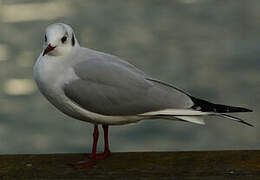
50	74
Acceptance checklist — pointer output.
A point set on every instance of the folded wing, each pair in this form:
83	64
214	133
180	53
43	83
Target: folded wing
110	87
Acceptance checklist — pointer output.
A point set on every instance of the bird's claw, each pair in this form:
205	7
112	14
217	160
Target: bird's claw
83	164
99	156
90	162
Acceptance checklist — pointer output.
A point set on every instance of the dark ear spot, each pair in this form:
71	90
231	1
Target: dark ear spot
73	40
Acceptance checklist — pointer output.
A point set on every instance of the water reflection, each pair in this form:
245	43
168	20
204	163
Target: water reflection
16	87
34	11
4	52
209	48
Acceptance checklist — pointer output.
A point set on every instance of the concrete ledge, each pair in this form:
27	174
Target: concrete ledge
208	165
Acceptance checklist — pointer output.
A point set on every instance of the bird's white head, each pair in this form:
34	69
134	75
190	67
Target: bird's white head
59	40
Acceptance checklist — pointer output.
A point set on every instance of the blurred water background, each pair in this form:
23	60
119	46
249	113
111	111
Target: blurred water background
210	48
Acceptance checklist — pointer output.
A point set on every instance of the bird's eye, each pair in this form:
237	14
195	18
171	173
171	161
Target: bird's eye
45	38
64	39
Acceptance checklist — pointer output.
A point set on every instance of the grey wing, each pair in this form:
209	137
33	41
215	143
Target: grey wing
113	88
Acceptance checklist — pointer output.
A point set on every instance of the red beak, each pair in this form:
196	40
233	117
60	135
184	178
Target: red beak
48	49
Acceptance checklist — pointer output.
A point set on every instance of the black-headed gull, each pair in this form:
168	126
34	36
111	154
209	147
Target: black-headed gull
104	90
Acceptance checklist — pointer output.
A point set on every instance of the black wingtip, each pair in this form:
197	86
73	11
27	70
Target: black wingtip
207	106
239	109
247	110
236	119
246	123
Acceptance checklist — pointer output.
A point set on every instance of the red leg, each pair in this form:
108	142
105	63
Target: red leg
106	146
105	129
85	164
95	140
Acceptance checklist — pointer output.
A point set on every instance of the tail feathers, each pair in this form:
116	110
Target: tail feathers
206	106
192	119
189	115
195	115
176	112
235	119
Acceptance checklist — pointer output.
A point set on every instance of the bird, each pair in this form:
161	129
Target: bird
105	90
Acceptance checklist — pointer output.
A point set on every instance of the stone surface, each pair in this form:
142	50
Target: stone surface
136	165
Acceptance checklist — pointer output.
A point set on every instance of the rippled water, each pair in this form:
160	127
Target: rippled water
209	48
